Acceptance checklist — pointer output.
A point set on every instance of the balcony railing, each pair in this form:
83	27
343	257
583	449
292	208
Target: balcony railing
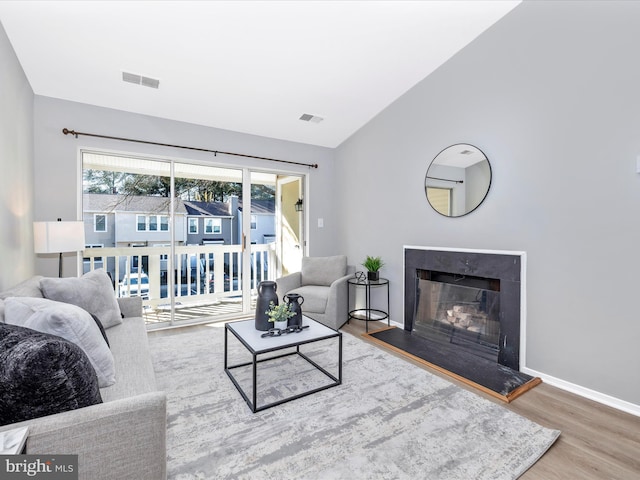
207	277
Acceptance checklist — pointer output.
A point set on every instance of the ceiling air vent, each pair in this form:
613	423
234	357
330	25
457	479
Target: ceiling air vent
140	80
306	117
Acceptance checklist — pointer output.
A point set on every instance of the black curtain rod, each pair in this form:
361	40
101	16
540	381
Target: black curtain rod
66	131
446	180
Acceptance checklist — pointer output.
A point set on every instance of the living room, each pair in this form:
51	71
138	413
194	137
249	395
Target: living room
549	94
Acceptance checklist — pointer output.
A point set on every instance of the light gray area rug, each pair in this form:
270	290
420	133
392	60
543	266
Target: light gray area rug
388	420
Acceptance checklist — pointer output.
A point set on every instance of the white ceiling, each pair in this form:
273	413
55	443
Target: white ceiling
247	66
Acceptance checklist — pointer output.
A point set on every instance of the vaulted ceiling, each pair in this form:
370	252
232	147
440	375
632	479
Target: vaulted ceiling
249	66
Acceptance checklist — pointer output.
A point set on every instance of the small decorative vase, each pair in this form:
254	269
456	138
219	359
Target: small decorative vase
373	275
294	300
266	294
281	325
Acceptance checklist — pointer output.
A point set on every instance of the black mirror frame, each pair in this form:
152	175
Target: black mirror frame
488	186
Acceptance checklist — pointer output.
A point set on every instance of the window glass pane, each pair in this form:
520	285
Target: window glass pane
100	223
159	255
263	203
141	223
193	225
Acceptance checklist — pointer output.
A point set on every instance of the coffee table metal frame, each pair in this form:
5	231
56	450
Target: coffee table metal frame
247	334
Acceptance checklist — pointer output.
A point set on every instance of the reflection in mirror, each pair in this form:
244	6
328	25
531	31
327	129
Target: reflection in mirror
458	180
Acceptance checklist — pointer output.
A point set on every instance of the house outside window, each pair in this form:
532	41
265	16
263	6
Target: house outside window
97	260
254	222
193	226
164	223
99	222
141	223
213	225
153	223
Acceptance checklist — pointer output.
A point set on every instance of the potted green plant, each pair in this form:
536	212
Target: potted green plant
280	314
373	265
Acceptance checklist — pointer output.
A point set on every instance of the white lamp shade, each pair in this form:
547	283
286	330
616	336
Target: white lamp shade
58	237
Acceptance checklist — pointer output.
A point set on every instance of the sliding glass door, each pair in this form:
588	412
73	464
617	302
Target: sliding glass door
192	240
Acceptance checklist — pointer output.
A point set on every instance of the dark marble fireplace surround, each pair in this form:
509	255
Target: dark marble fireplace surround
468	296
498	266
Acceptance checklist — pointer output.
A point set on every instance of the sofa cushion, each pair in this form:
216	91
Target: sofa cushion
323	270
315	298
134	369
42	374
93	292
69	322
28	288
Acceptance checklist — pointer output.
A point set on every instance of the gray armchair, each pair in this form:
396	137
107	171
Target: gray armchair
322	282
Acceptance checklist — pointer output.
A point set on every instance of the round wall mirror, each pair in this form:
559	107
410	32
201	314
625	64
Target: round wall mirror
458	180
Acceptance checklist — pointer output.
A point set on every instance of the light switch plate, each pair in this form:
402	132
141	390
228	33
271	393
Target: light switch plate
320	222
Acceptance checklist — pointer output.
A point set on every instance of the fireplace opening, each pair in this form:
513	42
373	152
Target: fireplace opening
460	310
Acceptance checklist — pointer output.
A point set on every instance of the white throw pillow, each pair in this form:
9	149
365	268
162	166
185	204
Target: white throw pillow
69	322
93	292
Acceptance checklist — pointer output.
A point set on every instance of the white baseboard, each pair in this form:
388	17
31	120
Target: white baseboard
608	400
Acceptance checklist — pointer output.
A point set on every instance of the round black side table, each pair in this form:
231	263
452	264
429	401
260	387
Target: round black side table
368	314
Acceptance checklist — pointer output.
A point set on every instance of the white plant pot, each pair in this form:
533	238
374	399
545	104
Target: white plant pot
281	325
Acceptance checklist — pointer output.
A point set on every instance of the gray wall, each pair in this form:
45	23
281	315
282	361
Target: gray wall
16	167
57	161
551	94
477	181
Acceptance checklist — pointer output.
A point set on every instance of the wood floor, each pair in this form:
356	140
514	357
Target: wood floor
597	442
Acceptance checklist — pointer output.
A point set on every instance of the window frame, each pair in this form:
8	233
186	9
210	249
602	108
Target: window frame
152	220
192	221
138	223
213	226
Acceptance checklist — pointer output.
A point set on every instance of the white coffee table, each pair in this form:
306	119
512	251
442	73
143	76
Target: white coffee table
257	345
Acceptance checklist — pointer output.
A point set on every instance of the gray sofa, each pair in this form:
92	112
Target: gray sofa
322	282
125	436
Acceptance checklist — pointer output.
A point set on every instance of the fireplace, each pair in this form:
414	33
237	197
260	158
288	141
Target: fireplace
463	315
482	290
